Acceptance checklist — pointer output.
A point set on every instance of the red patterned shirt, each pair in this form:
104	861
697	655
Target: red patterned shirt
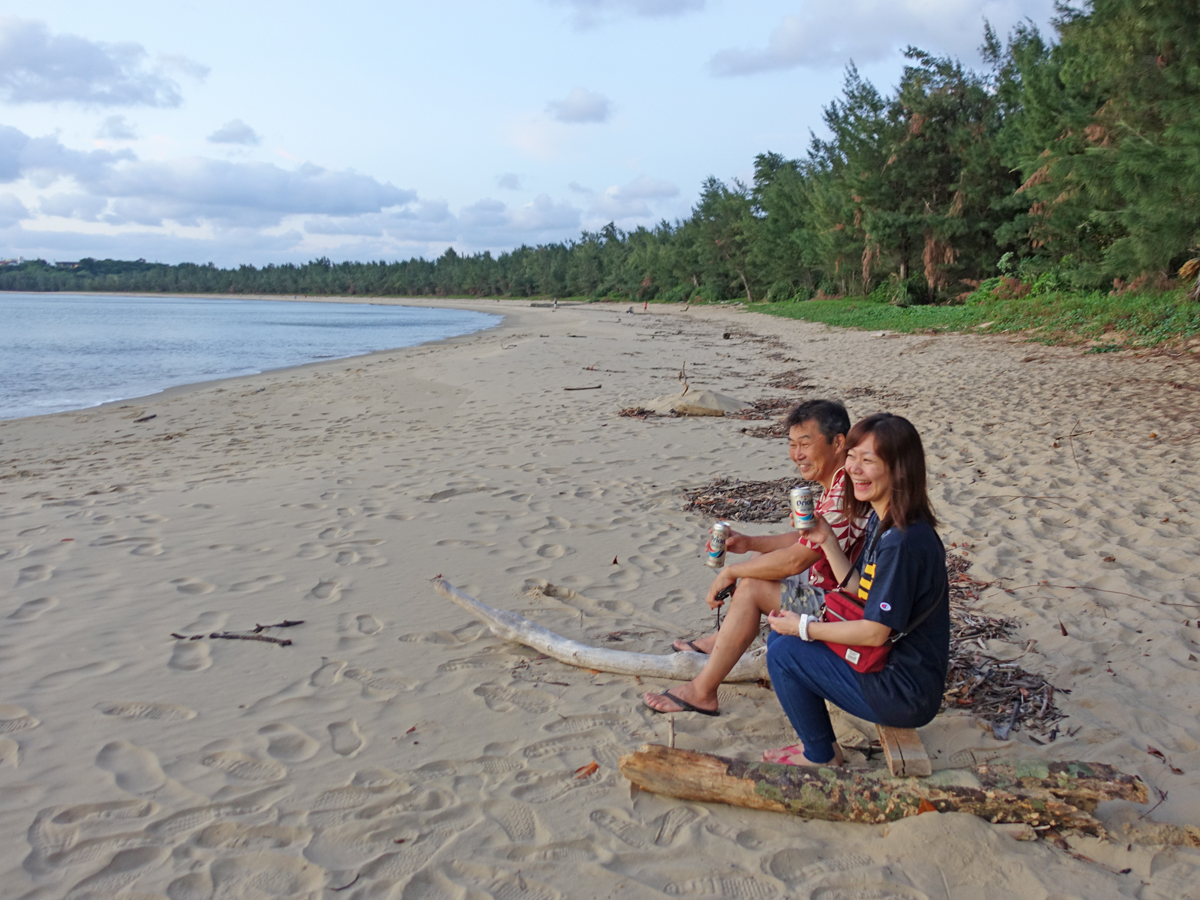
849	533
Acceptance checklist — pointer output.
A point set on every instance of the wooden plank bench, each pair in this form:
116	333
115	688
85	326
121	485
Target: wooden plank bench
904	752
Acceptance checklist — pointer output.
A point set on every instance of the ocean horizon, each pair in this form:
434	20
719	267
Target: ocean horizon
61	352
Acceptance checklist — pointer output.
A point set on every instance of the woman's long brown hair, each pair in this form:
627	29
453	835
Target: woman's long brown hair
899	446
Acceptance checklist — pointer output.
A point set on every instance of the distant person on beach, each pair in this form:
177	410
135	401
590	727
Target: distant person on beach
787	571
901	583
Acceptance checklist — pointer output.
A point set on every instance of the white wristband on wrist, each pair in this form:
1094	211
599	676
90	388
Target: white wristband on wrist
802	630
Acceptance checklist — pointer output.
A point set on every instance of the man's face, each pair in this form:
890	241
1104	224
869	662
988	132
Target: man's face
815	457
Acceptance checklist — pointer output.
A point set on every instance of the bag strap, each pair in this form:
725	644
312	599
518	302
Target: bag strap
915	623
863	555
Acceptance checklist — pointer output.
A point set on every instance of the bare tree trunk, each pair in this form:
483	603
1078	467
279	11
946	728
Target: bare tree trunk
1031	792
675	666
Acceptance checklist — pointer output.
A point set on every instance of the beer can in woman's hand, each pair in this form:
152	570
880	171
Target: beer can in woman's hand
800	498
714	550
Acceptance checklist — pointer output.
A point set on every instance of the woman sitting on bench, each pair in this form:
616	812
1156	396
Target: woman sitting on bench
903	604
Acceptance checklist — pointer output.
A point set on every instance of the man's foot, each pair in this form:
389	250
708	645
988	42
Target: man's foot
700	645
680	699
794	756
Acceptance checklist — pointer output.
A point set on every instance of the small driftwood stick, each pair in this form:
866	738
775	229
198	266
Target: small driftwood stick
676	666
241	636
233	636
286	623
1029	792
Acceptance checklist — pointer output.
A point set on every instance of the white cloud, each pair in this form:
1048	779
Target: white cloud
116	128
589	13
39	67
576	188
235	131
12	210
86	207
581	105
629	201
195	189
510	181
823	34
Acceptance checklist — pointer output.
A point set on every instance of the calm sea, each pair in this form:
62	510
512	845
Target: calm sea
72	351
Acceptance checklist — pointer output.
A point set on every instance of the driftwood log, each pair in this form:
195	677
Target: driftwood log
1036	793
676	666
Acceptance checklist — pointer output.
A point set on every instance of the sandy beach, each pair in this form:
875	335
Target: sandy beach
397	749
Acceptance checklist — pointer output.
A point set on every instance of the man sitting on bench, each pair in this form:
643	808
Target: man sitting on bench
787	571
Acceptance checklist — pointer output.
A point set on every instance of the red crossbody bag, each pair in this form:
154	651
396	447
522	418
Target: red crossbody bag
841	606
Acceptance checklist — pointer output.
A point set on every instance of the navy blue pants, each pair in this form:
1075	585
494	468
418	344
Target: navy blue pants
804	675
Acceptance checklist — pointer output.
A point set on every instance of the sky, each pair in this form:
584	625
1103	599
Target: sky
271	132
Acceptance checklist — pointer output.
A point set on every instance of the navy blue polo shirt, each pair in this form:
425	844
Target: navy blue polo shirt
903	574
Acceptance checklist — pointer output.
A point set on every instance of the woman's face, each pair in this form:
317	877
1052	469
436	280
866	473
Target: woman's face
869	474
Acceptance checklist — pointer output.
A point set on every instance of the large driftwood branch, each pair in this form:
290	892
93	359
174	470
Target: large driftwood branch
1060	794
677	666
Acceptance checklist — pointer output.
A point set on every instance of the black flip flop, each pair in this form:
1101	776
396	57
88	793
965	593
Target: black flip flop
684	706
691	644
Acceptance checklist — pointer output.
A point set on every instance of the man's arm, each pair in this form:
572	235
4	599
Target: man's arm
766	543
776	565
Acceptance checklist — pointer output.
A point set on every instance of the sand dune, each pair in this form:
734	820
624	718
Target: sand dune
396	747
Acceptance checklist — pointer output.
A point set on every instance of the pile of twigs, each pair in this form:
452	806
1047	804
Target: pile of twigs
774	430
639	412
741	501
791	380
764	409
1001	693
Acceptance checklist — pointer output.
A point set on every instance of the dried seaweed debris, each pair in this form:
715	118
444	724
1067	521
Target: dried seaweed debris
791	380
1002	693
742	501
763	409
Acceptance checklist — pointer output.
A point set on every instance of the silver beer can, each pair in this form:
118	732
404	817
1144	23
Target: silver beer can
714	550
800	498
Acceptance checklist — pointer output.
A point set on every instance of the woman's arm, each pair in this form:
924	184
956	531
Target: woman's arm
822	535
861	633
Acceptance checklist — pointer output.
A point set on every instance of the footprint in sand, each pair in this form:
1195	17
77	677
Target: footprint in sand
10	752
326	591
328	674
244	767
31	609
346	738
346	557
123	870
192	586
15	718
368	624
503	699
266	874
68	677
207	621
32	574
287	743
190	656
311	551
136	769
135	709
256	584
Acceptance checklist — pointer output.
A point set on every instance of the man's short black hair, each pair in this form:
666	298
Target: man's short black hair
831	417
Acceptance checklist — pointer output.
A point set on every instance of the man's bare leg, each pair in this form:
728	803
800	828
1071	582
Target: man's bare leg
752	600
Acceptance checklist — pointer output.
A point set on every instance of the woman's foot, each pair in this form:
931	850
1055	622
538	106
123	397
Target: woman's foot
699	645
673	701
794	756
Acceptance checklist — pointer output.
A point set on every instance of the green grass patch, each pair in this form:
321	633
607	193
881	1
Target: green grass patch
1053	316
